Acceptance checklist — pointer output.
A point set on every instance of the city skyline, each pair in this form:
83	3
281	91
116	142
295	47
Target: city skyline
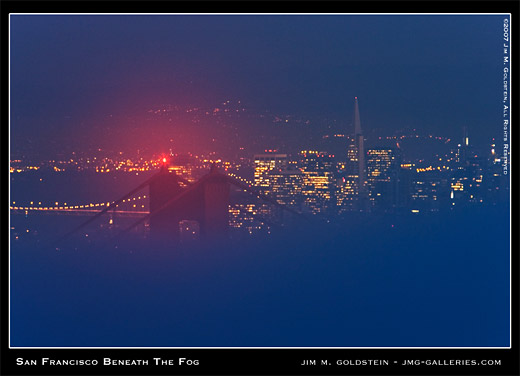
373	179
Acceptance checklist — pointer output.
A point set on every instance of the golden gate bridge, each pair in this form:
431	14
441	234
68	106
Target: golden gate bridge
171	200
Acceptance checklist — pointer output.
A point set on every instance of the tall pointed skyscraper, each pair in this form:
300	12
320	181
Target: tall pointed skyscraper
354	181
360	146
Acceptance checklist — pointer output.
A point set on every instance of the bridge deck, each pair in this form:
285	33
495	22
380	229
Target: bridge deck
86	212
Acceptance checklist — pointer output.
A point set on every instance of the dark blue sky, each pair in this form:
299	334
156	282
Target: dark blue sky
435	73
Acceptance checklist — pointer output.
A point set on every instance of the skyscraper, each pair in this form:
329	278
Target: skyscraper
355	197
285	186
360	146
318	180
429	191
383	165
265	163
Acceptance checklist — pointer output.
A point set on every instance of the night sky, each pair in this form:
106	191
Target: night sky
433	73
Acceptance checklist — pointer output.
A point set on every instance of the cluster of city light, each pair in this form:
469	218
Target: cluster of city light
285	186
265	163
445	139
101	165
337	135
174	108
380	164
88	206
316	180
23	169
347	191
226	165
128	166
458	186
183	171
320	154
212	160
110	165
242	216
431	168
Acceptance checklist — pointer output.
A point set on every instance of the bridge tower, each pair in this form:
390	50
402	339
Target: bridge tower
163	187
215	219
206	202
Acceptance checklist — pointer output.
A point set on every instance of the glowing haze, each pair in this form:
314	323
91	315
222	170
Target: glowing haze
94	77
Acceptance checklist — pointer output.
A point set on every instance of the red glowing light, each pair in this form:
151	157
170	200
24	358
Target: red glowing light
164	160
